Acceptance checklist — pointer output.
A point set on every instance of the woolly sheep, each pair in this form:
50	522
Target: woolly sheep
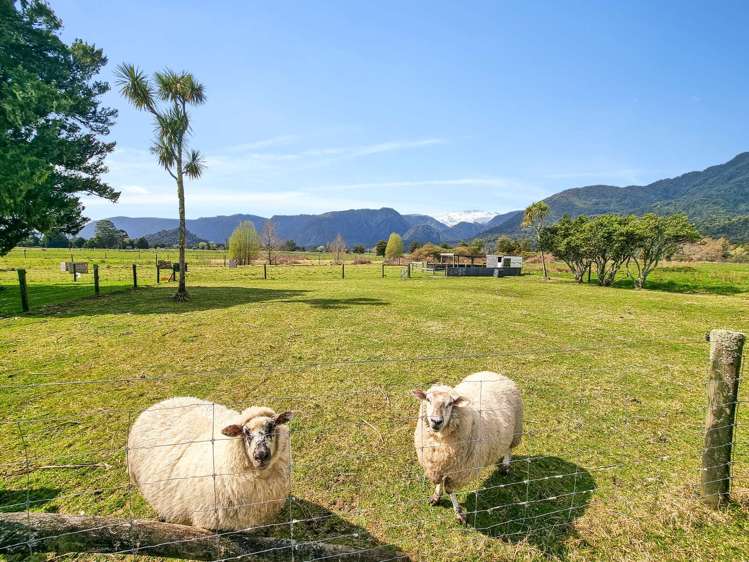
202	464
462	429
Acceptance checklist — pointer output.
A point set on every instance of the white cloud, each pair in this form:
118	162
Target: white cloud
470	182
349	151
264	143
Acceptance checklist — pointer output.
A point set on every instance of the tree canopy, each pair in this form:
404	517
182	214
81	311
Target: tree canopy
107	235
394	247
51	125
380	247
611	242
244	243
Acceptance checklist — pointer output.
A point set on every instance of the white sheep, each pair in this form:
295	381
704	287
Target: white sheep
463	429
202	464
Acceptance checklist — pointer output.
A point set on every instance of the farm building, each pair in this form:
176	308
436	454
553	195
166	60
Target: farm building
479	266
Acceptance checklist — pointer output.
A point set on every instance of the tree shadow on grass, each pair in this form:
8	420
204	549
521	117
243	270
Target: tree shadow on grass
18	500
672	286
341	303
537	502
157	300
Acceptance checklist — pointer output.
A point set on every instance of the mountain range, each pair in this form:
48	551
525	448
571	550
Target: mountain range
357	226
715	199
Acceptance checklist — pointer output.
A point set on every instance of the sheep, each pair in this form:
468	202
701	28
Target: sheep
202	464
462	429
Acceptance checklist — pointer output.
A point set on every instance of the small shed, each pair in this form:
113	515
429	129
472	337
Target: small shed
507	265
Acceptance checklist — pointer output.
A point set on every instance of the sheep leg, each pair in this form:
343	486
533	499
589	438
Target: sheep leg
435	499
458	510
506	460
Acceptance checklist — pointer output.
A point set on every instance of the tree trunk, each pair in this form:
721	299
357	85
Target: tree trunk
601	272
181	294
543	263
22	532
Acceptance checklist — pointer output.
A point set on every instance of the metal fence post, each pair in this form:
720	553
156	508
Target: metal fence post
722	397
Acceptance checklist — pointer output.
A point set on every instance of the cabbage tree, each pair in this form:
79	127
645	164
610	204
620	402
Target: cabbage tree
167	100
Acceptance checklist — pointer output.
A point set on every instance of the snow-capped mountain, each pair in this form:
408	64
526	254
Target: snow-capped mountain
454	217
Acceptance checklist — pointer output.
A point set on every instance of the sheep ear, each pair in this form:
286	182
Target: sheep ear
420	394
460	401
232	430
282	418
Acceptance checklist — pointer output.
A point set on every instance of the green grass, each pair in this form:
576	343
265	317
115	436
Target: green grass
613	381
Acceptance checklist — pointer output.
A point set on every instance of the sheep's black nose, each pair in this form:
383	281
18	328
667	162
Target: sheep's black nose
436	422
262	455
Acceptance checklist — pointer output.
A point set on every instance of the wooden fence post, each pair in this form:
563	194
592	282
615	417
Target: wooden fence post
158	271
24	290
343	270
383	270
96	279
722	397
135	276
75	277
265	271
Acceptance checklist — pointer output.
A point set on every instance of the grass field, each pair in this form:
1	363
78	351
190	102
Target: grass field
613	381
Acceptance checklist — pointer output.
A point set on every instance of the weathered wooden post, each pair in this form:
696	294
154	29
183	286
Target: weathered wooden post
135	276
409	270
722	397
158	271
75	276
383	270
343	271
24	290
96	279
265	271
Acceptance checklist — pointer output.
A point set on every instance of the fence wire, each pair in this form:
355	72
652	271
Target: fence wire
81	460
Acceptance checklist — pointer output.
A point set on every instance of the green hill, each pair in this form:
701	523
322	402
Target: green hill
715	199
170	237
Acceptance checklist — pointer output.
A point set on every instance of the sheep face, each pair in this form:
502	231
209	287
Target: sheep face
260	438
439	401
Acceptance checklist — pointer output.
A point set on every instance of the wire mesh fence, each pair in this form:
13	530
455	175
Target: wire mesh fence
583	446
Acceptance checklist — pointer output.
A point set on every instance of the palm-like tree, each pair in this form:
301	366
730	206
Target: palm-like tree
535	217
167	101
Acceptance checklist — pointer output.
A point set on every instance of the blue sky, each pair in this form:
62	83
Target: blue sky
424	106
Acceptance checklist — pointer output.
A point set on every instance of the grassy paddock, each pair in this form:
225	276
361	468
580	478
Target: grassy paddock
49	286
613	381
